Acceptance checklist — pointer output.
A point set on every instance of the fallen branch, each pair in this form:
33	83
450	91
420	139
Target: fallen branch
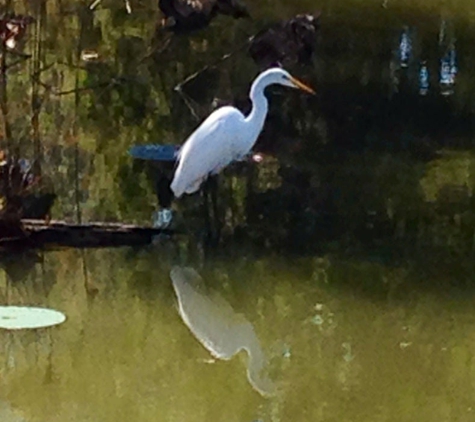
38	233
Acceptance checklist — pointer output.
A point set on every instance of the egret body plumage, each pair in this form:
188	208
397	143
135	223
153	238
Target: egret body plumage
226	135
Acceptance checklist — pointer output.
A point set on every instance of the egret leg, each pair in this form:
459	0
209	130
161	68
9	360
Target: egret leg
163	217
211	216
206	216
213	187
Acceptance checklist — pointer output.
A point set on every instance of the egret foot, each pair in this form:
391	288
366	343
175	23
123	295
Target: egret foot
162	219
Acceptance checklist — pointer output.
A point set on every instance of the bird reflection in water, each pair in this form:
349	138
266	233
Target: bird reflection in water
218	327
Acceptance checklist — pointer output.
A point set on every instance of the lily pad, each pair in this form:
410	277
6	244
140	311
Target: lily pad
25	317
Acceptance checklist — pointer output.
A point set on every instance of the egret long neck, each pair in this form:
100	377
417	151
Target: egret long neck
260	107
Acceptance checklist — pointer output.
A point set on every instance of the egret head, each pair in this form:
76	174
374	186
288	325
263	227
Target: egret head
277	75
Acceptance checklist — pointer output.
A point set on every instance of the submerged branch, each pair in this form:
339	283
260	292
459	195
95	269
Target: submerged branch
189	78
94	4
86	88
128	7
189	103
223	58
36	101
3	95
20	60
158	50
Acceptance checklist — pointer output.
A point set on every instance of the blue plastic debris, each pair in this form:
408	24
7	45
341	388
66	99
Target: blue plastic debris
155	152
452	59
448	71
25	165
423	79
405	48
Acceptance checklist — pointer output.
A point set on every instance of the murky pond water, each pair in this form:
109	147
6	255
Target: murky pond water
342	285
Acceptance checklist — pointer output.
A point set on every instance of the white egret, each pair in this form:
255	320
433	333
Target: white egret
227	135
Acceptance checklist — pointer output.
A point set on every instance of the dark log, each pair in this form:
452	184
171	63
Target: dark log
39	234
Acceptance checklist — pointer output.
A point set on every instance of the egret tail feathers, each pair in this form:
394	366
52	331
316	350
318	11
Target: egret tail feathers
179	188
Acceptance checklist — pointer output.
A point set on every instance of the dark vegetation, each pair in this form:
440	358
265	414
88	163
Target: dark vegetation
192	15
287	42
368	167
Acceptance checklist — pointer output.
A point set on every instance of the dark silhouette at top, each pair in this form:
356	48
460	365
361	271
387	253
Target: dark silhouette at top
286	42
189	15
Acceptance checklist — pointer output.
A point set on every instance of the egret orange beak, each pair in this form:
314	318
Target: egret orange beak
301	85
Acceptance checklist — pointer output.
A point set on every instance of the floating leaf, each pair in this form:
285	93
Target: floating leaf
25	317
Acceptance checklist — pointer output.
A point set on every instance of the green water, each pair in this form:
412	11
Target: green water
345	263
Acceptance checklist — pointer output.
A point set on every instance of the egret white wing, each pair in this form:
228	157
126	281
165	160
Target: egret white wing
207	150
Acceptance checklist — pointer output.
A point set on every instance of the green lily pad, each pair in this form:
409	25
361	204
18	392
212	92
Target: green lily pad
26	317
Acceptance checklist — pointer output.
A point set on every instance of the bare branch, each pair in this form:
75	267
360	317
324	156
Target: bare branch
127	6
223	58
94	4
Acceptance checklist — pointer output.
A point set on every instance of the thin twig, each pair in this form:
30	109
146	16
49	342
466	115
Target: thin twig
86	88
179	87
18	53
77	101
127	7
199	72
20	60
36	101
43	69
44	85
94	4
158	50
188	101
3	97
72	66
223	58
